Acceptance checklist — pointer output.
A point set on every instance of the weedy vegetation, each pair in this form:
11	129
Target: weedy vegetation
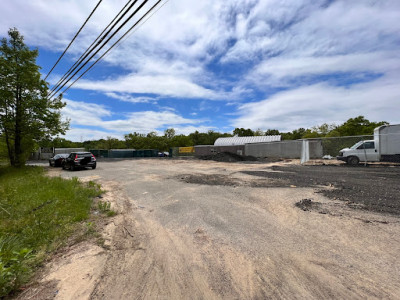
105	208
38	214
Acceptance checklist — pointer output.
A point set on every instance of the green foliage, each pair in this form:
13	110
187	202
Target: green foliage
37	215
27	115
358	126
15	264
58	142
208	138
272	132
170	139
352	127
169	133
243	132
105	208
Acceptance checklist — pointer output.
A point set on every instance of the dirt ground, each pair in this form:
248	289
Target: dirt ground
193	229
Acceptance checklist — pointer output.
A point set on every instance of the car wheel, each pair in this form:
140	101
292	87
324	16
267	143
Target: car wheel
94	167
353	160
50	164
72	167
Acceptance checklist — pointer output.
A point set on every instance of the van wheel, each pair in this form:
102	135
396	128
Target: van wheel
353	160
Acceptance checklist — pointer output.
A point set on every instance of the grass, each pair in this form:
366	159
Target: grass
37	215
105	208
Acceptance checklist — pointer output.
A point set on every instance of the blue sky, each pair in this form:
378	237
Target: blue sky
216	65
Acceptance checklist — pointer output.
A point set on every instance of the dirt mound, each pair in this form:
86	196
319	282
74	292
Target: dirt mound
228	157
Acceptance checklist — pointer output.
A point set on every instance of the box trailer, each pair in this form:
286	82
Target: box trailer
384	147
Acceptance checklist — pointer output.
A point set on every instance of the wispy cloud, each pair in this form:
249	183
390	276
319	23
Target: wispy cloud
130	98
96	120
321	103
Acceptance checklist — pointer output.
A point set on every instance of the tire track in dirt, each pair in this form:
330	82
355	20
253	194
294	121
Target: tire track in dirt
156	262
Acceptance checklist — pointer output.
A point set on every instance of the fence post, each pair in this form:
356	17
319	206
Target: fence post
305	151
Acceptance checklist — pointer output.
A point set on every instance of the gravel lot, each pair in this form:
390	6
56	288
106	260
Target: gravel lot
217	230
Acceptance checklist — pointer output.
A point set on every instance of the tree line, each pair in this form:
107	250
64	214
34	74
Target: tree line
353	126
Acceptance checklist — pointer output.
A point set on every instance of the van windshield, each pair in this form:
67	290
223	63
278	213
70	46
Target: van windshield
356	145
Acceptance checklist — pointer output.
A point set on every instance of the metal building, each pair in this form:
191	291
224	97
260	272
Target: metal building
241	140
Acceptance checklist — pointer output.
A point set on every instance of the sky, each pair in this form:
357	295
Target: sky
217	65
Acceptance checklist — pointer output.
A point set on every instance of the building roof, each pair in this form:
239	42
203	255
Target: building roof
241	140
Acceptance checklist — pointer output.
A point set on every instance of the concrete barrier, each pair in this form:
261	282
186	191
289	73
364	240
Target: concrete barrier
283	149
203	150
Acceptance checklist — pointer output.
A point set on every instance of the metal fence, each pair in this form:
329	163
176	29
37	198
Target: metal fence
124	153
357	149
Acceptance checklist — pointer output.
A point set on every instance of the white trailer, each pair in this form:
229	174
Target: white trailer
384	147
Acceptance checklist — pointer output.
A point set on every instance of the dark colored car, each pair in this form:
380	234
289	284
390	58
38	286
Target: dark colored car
57	160
79	160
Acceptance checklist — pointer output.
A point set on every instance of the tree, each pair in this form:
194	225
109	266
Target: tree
259	132
272	132
358	126
169	133
27	115
243	132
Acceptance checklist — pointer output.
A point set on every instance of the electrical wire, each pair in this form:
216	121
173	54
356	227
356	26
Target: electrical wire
91	48
120	40
102	46
80	29
80	58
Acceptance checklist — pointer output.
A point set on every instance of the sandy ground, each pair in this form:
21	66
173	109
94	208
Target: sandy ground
173	239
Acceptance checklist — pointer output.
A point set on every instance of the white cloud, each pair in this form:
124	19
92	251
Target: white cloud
321	103
164	85
83	113
88	121
278	71
130	98
87	134
190	129
147	121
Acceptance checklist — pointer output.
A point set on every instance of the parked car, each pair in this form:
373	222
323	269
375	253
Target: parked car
79	160
163	154
58	159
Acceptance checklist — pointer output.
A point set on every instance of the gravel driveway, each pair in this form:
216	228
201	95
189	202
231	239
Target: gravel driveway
190	229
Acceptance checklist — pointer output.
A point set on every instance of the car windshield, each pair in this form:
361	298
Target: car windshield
356	145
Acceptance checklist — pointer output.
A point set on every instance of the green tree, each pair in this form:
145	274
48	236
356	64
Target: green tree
243	132
27	115
357	126
272	132
181	140
169	133
259	132
112	143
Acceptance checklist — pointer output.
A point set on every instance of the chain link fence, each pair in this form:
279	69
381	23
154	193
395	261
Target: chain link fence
356	149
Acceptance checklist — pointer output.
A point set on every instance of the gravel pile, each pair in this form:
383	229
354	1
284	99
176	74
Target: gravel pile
228	157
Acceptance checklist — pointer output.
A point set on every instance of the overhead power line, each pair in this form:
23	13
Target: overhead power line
117	42
80	29
97	51
93	46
